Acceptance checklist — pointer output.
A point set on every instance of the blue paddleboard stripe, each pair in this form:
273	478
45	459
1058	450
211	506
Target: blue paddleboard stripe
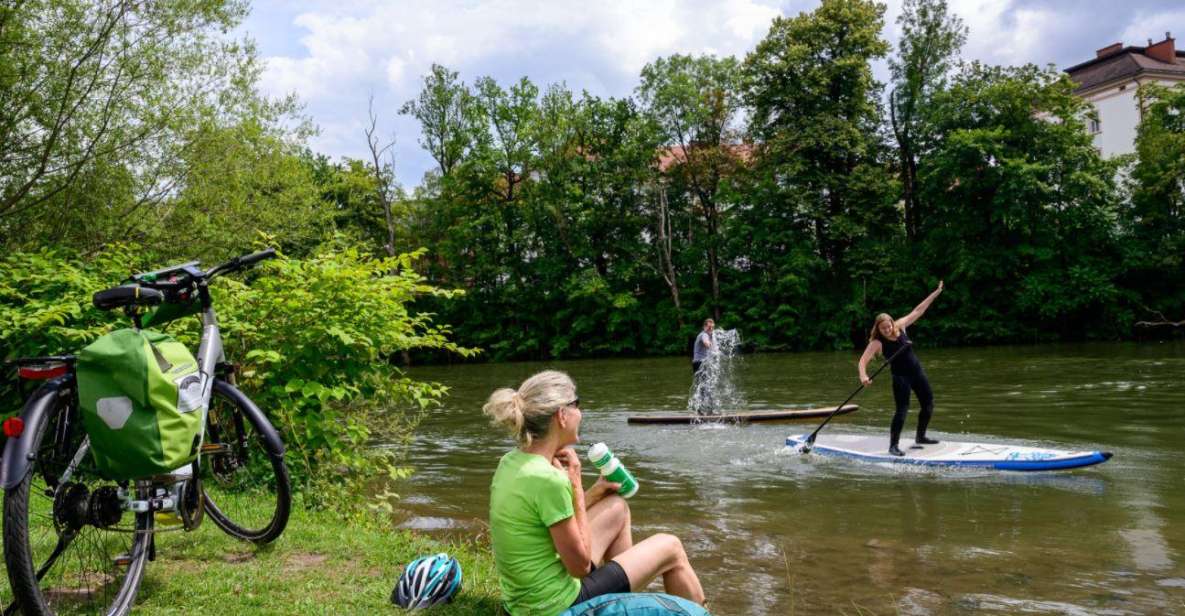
1088	459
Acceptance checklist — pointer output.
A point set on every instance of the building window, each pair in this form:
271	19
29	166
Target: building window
1095	127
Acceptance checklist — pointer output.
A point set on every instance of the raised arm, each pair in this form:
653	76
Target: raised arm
918	311
870	351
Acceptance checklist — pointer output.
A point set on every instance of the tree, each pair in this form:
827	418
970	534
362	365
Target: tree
1155	220
241	180
387	190
696	101
444	110
815	115
930	41
815	110
1023	209
105	90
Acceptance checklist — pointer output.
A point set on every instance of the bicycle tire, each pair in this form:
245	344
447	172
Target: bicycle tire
19	555
236	458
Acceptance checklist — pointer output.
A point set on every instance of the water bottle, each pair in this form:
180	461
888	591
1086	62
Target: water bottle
612	469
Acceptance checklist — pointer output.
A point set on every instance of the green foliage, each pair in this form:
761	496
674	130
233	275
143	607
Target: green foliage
695	101
129	121
931	37
1023	205
825	196
314	337
1154	224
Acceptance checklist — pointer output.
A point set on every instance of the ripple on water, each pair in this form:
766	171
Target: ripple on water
985	601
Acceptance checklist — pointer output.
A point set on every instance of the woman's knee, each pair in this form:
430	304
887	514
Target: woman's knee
672	548
617	507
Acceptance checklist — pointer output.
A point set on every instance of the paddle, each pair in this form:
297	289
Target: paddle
810	440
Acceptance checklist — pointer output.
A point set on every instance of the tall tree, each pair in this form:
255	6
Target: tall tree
1026	205
1155	220
443	109
815	113
696	102
815	109
89	88
387	190
931	38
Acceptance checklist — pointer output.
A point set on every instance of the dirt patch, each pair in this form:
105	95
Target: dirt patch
304	560
235	558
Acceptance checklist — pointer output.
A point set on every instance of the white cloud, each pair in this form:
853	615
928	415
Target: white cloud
1153	25
349	49
352	48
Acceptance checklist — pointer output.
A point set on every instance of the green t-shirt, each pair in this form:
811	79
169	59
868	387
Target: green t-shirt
527	496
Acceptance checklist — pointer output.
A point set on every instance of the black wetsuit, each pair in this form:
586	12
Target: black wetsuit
907	375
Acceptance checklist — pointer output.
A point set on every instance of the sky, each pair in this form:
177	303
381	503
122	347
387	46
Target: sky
336	54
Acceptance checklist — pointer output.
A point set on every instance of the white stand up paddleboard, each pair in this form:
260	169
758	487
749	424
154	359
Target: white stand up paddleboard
951	453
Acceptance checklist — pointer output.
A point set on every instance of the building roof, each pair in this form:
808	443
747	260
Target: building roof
675	155
1119	63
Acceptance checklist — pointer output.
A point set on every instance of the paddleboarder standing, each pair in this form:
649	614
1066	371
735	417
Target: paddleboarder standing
701	365
886	338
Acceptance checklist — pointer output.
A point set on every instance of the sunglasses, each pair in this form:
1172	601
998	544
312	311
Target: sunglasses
575	404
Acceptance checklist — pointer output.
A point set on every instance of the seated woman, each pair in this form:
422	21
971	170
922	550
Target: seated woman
556	545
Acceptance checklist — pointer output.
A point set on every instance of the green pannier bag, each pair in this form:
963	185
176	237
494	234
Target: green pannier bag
140	393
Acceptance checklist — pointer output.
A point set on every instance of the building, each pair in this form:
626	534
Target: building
1110	80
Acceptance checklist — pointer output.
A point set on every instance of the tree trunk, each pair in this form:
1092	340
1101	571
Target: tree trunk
665	260
909	169
713	260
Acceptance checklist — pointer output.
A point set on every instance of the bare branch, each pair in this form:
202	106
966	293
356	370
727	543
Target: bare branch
382	183
1162	322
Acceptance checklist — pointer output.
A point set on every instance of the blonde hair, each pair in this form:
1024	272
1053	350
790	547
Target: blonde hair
526	412
875	333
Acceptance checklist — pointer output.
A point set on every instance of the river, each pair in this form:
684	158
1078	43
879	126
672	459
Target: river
773	532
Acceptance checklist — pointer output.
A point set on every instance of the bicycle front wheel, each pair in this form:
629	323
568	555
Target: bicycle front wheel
245	483
69	545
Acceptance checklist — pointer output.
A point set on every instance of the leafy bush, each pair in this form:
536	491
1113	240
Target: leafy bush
314	338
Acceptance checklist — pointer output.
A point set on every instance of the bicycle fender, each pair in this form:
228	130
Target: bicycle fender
271	438
18	451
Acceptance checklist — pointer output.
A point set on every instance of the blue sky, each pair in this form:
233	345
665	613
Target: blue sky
335	54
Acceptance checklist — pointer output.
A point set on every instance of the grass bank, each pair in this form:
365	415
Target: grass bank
324	563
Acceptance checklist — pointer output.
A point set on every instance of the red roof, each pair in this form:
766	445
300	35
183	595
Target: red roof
677	155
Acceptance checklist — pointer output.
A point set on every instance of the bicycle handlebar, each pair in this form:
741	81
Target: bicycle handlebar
244	261
256	257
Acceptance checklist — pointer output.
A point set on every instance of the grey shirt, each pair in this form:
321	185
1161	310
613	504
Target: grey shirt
701	349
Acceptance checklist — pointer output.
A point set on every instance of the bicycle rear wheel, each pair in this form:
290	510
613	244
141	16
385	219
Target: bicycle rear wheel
245	483
70	547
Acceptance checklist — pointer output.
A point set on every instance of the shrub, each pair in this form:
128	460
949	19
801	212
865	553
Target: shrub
314	339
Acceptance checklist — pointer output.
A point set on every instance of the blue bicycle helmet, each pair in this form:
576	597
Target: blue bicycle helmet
427	581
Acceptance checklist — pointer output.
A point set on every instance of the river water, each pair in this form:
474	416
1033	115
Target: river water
773	532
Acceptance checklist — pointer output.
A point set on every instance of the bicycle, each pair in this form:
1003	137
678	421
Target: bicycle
77	543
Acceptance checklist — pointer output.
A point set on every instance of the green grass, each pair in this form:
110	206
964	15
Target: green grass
324	563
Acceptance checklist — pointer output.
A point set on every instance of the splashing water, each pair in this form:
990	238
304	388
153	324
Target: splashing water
714	388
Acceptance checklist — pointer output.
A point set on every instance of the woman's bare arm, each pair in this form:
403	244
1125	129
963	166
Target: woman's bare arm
918	311
570	537
870	351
